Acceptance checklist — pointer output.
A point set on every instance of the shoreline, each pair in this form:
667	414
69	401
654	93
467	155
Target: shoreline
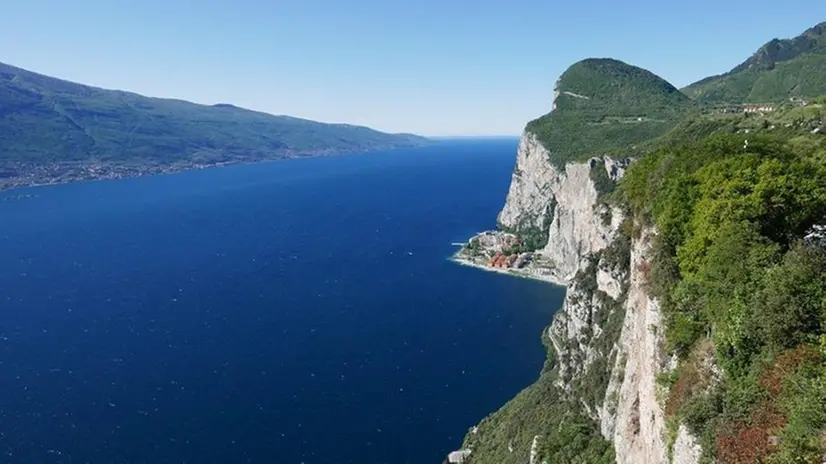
549	278
117	171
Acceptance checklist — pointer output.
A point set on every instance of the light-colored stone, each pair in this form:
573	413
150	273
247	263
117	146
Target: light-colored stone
458	457
630	414
530	192
816	236
616	168
686	448
534	450
608	283
576	231
537	188
638	430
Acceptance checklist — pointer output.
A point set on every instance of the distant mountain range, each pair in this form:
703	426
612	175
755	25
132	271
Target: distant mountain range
778	70
605	106
53	130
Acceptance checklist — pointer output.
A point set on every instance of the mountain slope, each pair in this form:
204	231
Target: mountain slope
48	120
605	104
778	70
694	324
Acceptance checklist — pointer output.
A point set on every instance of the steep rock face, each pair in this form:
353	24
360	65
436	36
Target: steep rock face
607	337
530	195
638	426
562	203
565	202
577	228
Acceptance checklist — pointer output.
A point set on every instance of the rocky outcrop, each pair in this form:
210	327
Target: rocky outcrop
638	427
458	457
562	203
686	449
816	236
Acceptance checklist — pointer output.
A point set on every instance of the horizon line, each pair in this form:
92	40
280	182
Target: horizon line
472	136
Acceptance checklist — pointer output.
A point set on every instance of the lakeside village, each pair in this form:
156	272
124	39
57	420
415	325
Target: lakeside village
503	252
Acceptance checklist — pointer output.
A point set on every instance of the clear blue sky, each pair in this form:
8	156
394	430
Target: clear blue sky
435	67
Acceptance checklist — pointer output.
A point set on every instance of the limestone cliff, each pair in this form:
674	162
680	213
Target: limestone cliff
606	342
562	203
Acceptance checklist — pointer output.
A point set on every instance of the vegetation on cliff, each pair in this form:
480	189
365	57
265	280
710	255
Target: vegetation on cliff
731	194
547	420
531	232
604	105
740	290
564	433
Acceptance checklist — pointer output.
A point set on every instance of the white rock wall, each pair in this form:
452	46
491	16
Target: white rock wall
630	415
576	229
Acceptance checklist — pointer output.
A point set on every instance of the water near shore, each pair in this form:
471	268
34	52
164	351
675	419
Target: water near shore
302	311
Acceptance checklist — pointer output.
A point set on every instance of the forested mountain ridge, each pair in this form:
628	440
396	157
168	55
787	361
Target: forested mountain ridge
55	130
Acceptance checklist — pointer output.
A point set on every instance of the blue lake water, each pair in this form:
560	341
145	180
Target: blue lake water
301	311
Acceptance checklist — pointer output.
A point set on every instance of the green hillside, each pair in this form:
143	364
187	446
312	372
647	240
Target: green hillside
738	264
48	120
787	120
604	105
738	283
778	70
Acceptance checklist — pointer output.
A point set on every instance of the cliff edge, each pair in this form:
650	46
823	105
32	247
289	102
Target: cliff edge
689	239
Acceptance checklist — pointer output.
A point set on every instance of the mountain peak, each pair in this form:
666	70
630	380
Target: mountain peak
603	104
779	69
780	50
818	30
597	82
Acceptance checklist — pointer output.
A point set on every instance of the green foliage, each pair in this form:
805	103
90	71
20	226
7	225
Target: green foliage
804	402
802	77
729	195
576	441
616	257
585	280
790	304
47	120
532	236
565	434
727	263
608	315
604	106
599	176
473	244
727	88
536	410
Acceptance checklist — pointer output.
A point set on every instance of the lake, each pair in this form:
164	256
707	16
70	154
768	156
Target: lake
299	311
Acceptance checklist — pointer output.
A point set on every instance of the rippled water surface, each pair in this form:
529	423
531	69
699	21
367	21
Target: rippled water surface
301	311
